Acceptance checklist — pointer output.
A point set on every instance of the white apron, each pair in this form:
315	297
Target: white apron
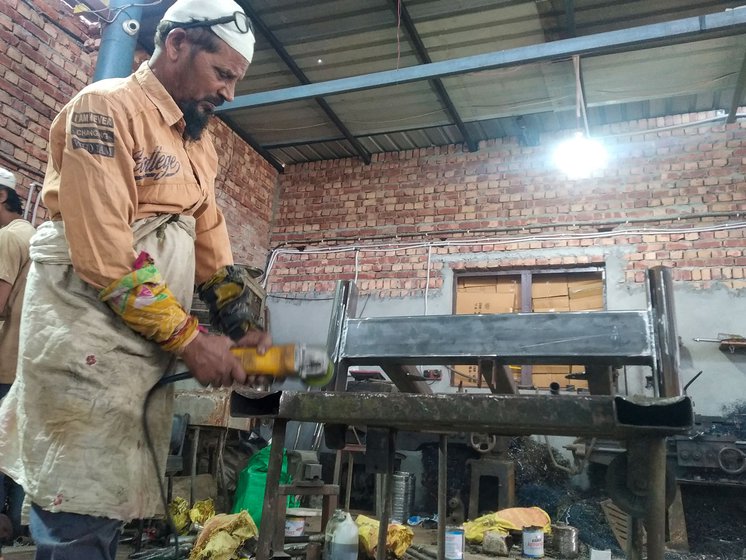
71	428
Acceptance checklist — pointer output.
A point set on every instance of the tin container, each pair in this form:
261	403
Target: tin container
295	526
454	544
533	542
565	540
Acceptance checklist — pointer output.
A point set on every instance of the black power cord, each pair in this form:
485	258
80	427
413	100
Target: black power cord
168	377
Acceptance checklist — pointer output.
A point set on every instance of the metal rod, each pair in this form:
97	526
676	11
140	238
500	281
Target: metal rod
348	487
271	496
655	520
442	494
383	527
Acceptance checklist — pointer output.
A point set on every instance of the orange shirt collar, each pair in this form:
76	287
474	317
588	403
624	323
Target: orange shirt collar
155	91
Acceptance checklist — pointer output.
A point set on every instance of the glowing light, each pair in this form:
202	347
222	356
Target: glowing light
579	156
320	61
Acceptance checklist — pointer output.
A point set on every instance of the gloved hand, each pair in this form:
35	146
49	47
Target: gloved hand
235	301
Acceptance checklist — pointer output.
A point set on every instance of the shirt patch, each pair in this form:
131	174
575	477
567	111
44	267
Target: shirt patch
155	165
93	118
96	137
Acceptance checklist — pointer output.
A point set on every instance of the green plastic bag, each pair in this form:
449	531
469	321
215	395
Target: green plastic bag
253	480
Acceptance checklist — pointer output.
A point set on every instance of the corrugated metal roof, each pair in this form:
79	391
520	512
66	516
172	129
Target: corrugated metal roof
332	39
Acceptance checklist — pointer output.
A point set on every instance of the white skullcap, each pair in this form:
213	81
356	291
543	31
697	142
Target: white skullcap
187	11
7	179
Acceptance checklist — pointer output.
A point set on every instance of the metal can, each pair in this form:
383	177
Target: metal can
565	540
454	544
533	542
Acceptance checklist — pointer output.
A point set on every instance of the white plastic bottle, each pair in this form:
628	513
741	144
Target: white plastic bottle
344	544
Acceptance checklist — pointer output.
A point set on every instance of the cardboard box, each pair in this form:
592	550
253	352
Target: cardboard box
546	286
551	370
551	304
588	303
585	288
478	284
469	303
467	376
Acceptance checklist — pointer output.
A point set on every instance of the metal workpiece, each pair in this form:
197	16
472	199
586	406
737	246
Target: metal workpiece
666	380
616	338
509	415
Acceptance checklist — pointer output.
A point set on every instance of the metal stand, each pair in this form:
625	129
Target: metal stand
598	339
272	531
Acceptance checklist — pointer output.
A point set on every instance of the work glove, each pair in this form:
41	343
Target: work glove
235	301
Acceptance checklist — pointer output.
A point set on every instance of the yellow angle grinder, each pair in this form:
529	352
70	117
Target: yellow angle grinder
310	364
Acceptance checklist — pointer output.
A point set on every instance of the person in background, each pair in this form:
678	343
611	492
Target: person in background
130	189
15	236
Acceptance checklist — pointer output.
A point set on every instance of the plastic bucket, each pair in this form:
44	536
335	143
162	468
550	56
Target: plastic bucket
533	542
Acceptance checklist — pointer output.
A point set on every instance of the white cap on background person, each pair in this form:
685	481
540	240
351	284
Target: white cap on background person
7	179
193	11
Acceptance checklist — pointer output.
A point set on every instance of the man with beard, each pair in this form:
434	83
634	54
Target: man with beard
134	223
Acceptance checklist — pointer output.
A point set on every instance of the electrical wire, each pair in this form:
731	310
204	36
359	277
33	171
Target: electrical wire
118	11
168	377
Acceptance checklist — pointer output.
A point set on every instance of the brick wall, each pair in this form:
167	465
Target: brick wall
663	199
47	54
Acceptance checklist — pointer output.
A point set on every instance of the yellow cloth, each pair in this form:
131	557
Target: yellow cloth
222	536
147	306
506	520
398	537
202	511
178	509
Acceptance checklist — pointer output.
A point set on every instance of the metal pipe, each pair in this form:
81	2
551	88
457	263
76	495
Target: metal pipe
118	41
31	189
533	226
666	370
36	204
442	491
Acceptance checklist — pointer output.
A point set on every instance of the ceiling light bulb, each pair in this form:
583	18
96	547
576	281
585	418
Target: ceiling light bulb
580	156
319	61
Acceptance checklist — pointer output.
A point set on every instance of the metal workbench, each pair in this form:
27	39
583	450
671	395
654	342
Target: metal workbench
600	340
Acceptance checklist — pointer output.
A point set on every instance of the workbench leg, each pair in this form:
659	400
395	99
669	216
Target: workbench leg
271	493
442	494
655	520
383	527
634	539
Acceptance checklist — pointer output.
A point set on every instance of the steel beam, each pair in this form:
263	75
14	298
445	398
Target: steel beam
738	93
621	337
302	78
729	22
509	415
424	58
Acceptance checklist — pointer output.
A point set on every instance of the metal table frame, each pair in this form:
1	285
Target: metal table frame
601	340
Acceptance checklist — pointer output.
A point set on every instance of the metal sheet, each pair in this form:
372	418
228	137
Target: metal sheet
730	22
495	414
622	337
209	408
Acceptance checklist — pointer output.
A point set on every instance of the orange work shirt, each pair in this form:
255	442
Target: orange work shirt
117	155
